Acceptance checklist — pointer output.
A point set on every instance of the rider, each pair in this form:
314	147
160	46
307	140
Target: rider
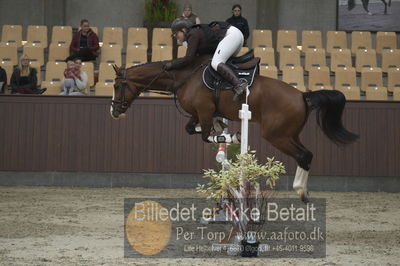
218	38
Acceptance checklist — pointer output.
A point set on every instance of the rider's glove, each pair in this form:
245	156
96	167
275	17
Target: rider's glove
167	66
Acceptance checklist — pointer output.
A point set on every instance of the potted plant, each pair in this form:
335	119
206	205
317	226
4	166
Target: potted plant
238	187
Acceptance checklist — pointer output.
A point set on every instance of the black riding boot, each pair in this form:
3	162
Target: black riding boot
238	86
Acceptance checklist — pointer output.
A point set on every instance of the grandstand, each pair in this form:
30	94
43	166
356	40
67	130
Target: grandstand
365	53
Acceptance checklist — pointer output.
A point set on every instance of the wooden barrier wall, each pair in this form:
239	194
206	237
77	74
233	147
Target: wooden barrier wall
53	133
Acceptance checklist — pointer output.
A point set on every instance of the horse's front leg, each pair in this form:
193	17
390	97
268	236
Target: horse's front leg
206	120
384	2
191	125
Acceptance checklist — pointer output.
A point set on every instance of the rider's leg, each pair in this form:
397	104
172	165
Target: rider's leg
228	46
365	5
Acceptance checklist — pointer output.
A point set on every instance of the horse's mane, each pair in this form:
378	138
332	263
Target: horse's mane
146	64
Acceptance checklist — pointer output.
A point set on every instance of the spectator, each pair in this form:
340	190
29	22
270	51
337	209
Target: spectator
84	44
75	80
24	78
188	14
239	22
3	79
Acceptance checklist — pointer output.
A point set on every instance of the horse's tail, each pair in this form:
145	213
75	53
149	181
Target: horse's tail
329	105
351	4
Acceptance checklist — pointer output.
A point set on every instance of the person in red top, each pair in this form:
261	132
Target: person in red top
84	44
71	71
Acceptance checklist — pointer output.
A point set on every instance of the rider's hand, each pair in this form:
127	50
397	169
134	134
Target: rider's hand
167	66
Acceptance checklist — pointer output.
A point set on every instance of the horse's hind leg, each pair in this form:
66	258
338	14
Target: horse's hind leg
294	148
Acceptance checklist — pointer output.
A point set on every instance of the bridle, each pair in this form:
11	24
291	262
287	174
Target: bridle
124	104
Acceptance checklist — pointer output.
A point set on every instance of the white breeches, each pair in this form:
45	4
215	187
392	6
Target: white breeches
228	46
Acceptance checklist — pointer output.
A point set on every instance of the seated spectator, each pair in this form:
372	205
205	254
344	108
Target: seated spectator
75	80
3	79
188	14
24	78
239	22
84	44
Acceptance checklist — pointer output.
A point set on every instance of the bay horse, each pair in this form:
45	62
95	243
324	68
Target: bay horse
351	4
279	108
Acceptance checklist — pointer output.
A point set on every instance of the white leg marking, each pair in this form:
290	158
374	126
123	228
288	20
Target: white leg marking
300	181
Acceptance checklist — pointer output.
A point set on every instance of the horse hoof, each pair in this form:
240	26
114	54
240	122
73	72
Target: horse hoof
304	199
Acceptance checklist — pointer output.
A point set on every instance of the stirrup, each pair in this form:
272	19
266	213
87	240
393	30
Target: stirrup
240	90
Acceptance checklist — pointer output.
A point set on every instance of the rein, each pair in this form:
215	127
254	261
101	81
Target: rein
173	89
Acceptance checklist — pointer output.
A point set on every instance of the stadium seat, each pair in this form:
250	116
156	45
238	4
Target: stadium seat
336	40
311	39
371	77
161	53
319	79
269	71
113	36
61	35
55	71
376	94
393	79
385	41
351	93
106	72
88	67
266	54
294	76
136	55
360	40
340	58
365	58
136	37
58	52
104	89
286	39
162	37
242	51
111	54
289	57
8	54
314	58
345	78
12	35
396	94
390	59
37	35
35	53
262	38
53	87
182	51
105	85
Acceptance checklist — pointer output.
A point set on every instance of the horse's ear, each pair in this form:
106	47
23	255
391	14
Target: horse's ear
116	68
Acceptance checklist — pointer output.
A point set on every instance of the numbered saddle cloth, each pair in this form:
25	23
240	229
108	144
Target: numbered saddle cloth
245	67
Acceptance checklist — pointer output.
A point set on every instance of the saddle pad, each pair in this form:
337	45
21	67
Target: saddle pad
214	81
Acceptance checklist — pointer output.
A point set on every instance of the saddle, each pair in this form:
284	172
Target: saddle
245	67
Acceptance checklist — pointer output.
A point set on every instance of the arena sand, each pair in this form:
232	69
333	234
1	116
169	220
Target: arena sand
83	226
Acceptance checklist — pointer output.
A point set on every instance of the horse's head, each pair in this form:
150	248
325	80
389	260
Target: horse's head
123	94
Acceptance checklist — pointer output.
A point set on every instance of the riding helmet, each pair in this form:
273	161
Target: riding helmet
179	24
